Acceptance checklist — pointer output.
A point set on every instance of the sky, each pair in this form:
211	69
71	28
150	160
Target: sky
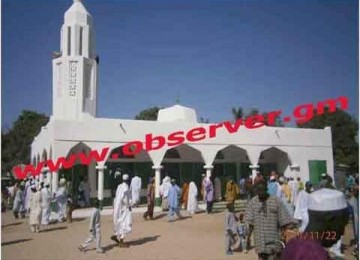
211	55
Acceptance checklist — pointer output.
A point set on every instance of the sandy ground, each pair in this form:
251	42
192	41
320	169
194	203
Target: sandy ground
197	237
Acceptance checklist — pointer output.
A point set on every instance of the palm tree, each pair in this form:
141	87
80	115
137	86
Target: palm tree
237	113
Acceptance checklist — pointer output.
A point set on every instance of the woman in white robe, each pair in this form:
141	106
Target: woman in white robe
122	212
192	198
35	209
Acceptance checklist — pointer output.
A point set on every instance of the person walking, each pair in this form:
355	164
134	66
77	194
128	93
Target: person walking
192	199
95	231
174	194
35	209
266	215
209	194
164	192
135	187
19	204
122	212
61	198
45	204
232	191
150	199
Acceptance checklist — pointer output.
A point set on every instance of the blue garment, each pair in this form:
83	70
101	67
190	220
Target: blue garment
272	188
173	197
242	229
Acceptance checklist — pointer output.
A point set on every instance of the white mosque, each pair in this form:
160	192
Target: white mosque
75	127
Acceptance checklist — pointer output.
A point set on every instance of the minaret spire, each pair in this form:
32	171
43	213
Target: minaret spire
75	67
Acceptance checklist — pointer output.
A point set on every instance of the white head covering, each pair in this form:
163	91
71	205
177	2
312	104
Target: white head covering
62	181
125	177
281	179
117	173
327	200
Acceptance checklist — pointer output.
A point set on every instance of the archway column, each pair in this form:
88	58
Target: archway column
157	169
54	181
101	168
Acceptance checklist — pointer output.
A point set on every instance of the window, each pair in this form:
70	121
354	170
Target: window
69	40
81	38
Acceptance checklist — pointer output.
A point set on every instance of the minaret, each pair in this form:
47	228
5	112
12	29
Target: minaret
75	68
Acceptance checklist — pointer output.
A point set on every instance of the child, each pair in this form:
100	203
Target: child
95	232
242	232
230	228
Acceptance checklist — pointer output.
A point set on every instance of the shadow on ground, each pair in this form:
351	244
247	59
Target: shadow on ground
162	215
15	241
52	229
12	224
78	219
142	240
137	242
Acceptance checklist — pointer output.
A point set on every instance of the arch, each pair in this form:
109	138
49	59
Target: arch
273	159
183	163
139	164
234	164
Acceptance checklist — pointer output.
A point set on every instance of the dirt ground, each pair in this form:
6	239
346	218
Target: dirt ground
197	237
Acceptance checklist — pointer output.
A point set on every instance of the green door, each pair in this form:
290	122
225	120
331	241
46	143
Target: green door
316	168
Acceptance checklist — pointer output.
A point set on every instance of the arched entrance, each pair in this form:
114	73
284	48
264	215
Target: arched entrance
273	159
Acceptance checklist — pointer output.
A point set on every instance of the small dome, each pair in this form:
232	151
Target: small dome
177	113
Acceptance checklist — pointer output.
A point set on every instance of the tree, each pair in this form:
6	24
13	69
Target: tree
204	121
237	113
148	114
344	130
16	141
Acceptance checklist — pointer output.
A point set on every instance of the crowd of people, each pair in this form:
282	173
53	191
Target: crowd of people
275	205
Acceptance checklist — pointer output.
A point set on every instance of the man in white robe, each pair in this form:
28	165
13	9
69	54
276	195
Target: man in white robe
45	204
301	206
192	198
122	212
26	194
61	198
217	186
164	192
135	188
35	209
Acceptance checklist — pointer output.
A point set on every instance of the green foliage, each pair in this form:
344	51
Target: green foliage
344	129
148	114
204	121
15	143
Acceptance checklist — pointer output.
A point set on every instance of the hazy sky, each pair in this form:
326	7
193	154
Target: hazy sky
212	54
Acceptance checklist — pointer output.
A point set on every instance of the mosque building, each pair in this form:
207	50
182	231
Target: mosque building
74	127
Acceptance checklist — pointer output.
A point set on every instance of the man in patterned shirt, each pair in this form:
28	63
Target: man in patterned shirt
266	215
